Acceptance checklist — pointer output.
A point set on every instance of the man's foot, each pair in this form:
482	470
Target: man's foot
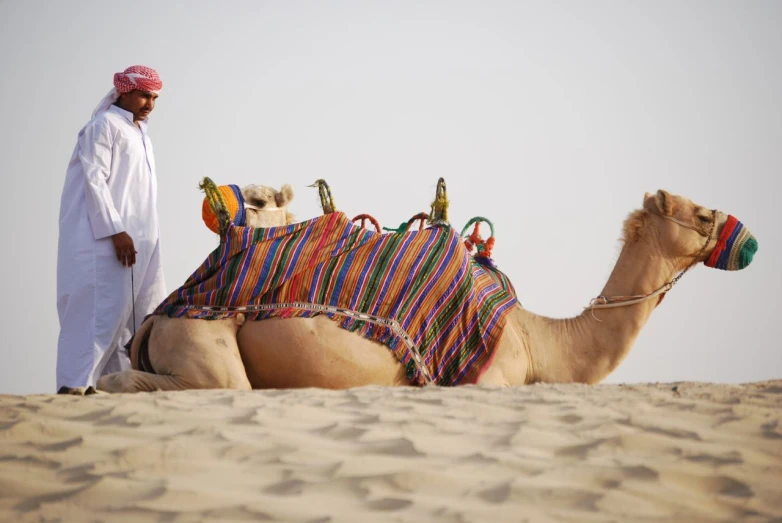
77	391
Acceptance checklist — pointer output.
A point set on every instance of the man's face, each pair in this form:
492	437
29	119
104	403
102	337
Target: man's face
140	103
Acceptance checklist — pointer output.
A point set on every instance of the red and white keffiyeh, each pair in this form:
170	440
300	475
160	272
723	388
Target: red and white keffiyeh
137	77
134	77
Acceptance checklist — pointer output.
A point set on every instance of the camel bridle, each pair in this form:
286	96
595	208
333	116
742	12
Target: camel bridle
608	302
263	209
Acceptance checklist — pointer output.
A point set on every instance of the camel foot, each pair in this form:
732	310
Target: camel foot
138	381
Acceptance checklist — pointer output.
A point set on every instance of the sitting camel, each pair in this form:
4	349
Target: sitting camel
288	333
257	205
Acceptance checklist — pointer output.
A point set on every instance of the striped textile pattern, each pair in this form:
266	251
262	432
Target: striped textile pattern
735	247
452	308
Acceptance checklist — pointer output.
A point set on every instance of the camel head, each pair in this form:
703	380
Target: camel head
685	230
267	207
251	206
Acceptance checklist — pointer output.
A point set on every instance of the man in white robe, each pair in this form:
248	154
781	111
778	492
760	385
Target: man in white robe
109	244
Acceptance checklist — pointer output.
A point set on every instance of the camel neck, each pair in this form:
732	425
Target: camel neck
589	347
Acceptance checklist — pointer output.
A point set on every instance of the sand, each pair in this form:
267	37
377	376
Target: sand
658	452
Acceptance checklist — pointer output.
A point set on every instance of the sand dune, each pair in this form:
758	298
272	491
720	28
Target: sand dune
664	452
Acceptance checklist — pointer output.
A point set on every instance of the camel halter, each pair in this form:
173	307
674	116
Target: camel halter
608	302
262	209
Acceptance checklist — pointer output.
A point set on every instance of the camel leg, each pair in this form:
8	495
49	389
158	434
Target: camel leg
185	354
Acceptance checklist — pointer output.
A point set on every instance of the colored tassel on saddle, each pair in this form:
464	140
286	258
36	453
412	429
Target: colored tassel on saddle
483	248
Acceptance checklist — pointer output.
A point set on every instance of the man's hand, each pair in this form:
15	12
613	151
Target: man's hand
126	251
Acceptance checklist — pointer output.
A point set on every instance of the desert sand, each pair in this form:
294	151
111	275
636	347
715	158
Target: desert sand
653	452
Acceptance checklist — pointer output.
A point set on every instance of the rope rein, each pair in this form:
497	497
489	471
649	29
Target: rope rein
608	302
133	299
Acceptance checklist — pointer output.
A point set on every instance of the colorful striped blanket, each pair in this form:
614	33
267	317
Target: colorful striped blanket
420	292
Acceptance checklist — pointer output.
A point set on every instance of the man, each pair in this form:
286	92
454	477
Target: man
109	246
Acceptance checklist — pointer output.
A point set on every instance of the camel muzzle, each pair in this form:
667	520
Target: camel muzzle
735	248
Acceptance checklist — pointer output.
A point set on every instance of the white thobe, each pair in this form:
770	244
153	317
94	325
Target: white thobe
110	187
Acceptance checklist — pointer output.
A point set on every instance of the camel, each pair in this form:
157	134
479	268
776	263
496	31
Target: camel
215	341
267	207
662	240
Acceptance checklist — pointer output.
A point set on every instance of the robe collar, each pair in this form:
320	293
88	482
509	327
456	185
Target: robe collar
129	117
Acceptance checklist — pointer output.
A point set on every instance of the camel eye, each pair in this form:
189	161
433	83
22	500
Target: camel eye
704	219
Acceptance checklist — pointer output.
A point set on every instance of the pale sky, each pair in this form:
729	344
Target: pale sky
552	119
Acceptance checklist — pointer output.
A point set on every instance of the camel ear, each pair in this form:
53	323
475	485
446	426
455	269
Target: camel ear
284	196
662	202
